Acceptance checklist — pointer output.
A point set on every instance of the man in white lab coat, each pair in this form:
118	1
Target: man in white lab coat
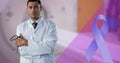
37	36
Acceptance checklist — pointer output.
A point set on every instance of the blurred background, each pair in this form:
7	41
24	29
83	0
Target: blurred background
74	20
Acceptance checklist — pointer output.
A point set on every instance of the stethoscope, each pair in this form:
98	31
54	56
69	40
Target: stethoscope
13	38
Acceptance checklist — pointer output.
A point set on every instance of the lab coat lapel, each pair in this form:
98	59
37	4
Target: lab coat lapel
30	24
39	25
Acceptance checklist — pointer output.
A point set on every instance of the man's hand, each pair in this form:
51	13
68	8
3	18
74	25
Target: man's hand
21	41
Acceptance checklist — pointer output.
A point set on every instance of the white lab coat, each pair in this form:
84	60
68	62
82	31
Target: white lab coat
41	41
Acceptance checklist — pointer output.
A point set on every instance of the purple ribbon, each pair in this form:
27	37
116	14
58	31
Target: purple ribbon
98	41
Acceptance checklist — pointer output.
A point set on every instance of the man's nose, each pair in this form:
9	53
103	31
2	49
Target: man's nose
33	9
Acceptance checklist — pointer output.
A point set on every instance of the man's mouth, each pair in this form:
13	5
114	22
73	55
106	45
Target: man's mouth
33	13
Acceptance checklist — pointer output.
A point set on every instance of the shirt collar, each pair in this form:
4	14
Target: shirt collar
35	21
38	21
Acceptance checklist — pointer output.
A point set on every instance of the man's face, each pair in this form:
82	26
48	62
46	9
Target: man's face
33	9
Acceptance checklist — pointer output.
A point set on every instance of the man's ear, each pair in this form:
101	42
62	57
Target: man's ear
40	8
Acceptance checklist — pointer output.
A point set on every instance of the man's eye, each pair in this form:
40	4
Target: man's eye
30	7
36	6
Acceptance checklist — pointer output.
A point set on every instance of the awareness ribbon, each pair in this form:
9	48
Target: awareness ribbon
98	41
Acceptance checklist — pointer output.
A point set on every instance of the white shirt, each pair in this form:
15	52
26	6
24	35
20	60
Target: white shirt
41	41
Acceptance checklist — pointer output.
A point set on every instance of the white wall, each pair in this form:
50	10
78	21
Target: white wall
63	12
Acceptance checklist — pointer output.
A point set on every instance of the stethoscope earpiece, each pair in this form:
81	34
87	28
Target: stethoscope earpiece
14	37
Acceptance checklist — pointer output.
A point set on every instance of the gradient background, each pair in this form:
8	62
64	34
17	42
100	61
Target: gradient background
74	20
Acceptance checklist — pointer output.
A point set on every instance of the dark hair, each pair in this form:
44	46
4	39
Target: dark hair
39	2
